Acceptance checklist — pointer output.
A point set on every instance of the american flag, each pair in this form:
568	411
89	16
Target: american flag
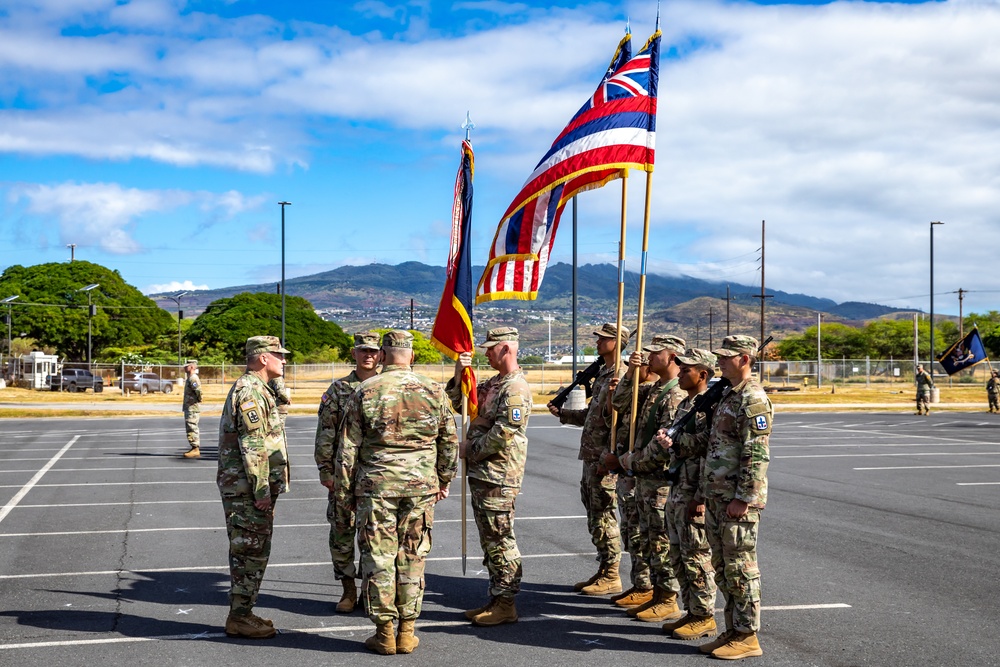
614	131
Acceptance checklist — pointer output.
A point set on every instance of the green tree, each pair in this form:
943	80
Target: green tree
220	333
838	340
53	310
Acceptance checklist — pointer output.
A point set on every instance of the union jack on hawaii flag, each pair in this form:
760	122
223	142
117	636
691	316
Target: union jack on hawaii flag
614	131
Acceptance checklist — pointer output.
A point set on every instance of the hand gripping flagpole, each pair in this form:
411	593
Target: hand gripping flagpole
468	126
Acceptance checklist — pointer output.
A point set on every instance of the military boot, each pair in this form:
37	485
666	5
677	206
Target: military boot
349	598
721	640
193	453
695	627
249	626
669	627
740	645
406	641
383	641
607	581
472	613
266	621
664	609
633	597
643	607
500	611
580	585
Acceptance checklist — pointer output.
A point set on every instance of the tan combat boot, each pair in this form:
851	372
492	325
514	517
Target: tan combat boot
472	613
383	641
249	626
580	585
695	627
193	453
634	597
500	611
406	641
740	645
669	627
721	640
664	609
607	581
349	598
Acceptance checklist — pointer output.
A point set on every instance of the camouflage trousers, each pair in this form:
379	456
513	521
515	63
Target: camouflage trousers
493	508
628	512
734	557
250	531
691	558
192	414
651	497
342	532
994	402
924	399
394	538
599	500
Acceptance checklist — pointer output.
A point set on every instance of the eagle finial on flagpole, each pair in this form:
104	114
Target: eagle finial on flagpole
468	126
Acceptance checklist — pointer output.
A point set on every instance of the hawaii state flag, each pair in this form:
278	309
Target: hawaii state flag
615	130
452	332
964	354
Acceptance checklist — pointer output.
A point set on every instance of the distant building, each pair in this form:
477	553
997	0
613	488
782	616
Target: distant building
580	359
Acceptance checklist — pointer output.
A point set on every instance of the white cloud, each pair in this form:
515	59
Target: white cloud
174	286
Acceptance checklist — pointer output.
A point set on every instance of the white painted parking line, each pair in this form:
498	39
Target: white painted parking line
977	483
847	456
163	483
214	501
34	480
129	469
984	465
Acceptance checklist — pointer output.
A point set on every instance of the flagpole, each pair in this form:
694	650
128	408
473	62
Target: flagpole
621	302
642	300
465	479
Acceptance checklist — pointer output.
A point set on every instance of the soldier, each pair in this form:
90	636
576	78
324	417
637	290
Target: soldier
331	412
253	470
192	409
993	391
656	407
597	484
397	456
735	489
690	553
925	383
496	449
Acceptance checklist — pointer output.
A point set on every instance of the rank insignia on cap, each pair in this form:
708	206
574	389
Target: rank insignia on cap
761	422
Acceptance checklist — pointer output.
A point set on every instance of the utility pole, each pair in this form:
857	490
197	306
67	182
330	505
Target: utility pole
961	322
91	311
711	315
728	300
549	318
283	204
930	367
180	316
72	251
10	317
762	296
411	315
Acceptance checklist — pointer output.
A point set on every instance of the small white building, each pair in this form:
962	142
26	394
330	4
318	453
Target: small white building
580	359
32	371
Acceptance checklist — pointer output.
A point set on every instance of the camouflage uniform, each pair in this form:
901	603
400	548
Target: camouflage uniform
993	393
282	397
736	468
924	385
398	448
628	510
192	408
496	454
332	405
598	491
253	465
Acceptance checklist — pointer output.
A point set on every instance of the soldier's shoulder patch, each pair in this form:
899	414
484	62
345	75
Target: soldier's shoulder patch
515	409
195	384
253	417
325	398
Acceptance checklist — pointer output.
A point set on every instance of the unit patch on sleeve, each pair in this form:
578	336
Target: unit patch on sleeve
252	417
515	410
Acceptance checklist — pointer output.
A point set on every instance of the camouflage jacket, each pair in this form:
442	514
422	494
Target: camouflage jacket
737	456
282	396
924	382
397	438
192	391
595	419
332	404
498	439
993	386
252	455
623	426
649	394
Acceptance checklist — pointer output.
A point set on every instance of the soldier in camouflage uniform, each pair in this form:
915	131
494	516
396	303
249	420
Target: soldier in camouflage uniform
332	404
597	484
690	553
397	455
496	449
253	470
735	490
993	392
656	406
925	383
192	409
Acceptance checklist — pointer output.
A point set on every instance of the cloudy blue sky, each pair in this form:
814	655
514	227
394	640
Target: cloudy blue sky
159	135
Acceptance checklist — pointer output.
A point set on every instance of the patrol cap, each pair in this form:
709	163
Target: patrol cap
398	338
734	346
694	356
500	335
261	344
665	342
366	340
609	330
191	362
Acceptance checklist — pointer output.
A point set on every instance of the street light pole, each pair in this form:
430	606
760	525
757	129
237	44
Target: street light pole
931	365
283	204
10	316
177	299
549	318
90	319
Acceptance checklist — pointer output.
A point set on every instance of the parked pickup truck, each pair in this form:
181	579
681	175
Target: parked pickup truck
76	379
145	383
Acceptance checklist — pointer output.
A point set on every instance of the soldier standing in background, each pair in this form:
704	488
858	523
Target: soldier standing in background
496	449
597	484
397	456
735	490
332	405
192	409
993	392
925	383
253	470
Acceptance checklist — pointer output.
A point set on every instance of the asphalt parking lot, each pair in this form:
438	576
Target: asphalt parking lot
879	546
